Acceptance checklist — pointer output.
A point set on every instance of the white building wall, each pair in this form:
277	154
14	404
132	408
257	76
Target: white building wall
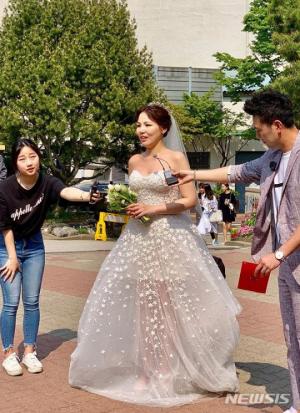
188	32
3	4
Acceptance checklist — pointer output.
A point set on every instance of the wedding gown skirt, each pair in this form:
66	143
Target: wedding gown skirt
159	327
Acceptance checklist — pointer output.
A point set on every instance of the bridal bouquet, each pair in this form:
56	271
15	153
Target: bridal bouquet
119	196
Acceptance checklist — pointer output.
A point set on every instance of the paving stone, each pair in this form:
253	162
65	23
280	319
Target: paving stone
260	357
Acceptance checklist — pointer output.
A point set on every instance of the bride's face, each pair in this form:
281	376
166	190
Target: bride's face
148	131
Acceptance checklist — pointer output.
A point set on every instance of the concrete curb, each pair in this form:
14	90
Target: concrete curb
68	245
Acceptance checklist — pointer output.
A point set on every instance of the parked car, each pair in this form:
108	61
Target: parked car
92	210
86	186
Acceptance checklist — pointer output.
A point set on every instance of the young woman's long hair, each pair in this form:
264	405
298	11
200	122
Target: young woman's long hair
208	192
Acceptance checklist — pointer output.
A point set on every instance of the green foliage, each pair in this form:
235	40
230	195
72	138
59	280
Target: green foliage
243	75
250	220
82	230
71	78
58	214
275	58
207	122
285	15
189	126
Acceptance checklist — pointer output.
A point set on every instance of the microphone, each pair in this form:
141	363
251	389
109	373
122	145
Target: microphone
273	166
169	177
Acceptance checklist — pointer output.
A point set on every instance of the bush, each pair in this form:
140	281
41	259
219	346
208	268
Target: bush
247	226
250	220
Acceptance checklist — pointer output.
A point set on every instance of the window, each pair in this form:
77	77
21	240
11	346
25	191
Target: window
199	160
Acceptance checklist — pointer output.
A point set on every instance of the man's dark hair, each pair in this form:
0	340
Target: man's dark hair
270	105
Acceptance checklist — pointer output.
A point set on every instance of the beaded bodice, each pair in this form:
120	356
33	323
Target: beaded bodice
152	188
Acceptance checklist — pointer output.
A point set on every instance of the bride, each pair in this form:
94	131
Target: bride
159	327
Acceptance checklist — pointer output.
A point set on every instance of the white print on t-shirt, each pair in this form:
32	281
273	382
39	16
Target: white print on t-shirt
28	208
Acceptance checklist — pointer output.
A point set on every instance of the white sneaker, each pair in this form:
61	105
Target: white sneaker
12	366
213	242
32	363
290	410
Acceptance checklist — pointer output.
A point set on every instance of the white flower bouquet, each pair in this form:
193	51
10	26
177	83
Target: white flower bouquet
119	196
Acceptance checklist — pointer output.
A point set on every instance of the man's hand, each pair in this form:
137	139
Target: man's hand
184	176
8	271
267	264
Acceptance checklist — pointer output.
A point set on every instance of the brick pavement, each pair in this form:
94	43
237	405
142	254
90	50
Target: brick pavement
260	358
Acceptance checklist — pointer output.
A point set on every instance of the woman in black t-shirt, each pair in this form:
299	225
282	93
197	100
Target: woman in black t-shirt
24	200
227	203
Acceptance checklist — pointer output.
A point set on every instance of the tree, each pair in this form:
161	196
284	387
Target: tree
275	58
213	125
71	78
190	129
285	16
241	76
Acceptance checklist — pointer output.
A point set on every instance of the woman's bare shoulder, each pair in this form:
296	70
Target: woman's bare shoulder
135	158
175	155
178	159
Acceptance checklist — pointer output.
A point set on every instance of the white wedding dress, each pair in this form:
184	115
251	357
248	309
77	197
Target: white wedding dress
159	327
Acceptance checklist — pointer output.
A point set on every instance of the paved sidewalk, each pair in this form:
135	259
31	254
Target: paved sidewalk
260	357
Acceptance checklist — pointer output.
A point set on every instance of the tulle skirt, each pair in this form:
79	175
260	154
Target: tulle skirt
159	327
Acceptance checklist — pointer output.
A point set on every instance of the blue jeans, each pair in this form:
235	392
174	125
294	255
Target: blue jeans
31	256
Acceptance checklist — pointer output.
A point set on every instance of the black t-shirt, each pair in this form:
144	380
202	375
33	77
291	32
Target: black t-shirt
23	210
225	199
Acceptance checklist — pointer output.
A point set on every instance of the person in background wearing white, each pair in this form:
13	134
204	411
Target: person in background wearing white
209	204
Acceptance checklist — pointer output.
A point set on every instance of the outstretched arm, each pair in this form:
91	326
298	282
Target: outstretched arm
74	194
247	172
205	175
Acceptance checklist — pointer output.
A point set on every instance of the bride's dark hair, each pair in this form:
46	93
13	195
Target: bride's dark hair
158	114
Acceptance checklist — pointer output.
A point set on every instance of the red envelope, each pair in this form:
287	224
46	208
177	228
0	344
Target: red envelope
248	281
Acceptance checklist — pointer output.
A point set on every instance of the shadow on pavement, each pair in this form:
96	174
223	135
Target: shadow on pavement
49	342
273	378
